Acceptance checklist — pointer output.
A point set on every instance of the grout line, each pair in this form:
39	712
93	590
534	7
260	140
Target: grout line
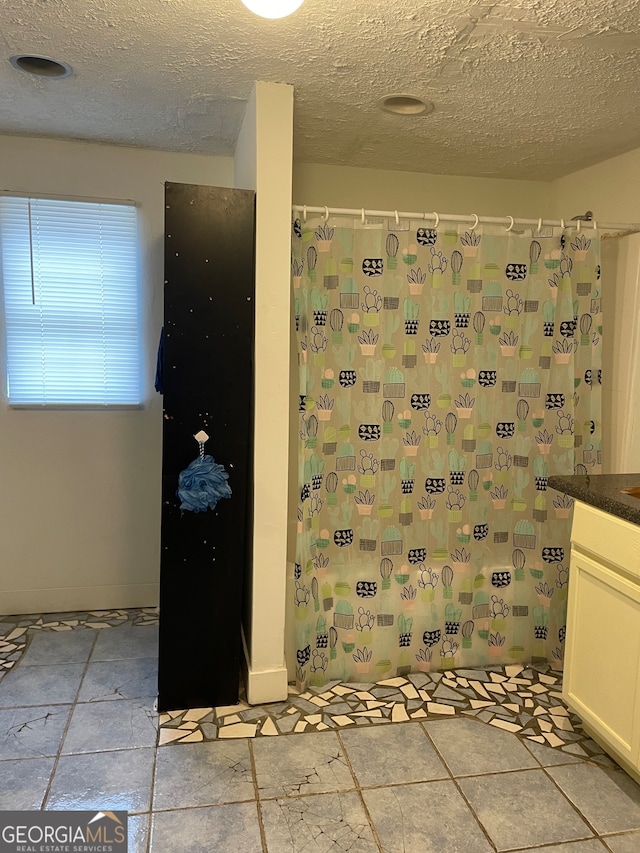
571	803
506	772
497	772
194	808
100	701
219	804
551	845
44	705
152	791
269	799
154	764
374	831
459	789
624	834
29	666
256	793
140	814
105	751
74	704
522	770
38	757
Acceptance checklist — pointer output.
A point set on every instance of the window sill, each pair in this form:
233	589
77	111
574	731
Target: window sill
74	407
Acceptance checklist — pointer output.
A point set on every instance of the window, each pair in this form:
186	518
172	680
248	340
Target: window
71	302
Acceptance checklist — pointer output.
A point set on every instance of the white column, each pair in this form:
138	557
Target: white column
263	162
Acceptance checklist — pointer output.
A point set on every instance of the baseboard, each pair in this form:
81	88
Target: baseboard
262	686
60	600
289	623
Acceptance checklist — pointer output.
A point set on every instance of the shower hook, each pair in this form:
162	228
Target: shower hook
363	215
475	224
437	218
595	225
202	438
562	224
326	214
539	229
397	219
578	225
304	213
511	223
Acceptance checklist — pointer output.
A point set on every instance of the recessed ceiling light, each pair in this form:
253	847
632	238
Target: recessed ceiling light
405	105
273	8
40	66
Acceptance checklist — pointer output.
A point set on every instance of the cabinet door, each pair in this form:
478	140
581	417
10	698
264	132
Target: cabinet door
601	680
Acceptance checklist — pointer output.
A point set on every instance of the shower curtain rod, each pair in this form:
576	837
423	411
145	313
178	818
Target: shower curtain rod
509	221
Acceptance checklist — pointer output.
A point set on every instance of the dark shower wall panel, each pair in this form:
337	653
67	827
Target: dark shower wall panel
208	385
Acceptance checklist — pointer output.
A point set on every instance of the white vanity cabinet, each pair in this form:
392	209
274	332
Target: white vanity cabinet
602	655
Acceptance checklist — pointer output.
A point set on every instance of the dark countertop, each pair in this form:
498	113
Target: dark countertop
603	492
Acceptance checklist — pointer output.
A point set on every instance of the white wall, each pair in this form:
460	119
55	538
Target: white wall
342	186
621	354
611	190
80	491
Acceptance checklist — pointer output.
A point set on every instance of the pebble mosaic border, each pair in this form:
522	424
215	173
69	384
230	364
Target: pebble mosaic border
526	701
16	630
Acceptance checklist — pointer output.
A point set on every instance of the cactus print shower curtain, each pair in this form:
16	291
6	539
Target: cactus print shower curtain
444	375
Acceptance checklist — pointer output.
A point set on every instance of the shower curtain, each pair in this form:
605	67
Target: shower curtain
444	374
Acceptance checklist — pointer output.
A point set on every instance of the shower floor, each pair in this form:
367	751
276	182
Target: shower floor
477	760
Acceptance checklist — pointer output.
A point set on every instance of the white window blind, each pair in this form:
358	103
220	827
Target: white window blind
71	302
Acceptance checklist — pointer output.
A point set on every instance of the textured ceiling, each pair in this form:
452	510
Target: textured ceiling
522	89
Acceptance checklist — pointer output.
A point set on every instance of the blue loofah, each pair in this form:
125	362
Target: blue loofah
202	484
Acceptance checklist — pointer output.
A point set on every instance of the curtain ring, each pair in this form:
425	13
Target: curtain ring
326	214
397	219
304	213
539	229
437	218
475	224
363	215
511	224
562	224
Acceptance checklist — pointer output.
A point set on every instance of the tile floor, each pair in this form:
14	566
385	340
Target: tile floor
78	730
